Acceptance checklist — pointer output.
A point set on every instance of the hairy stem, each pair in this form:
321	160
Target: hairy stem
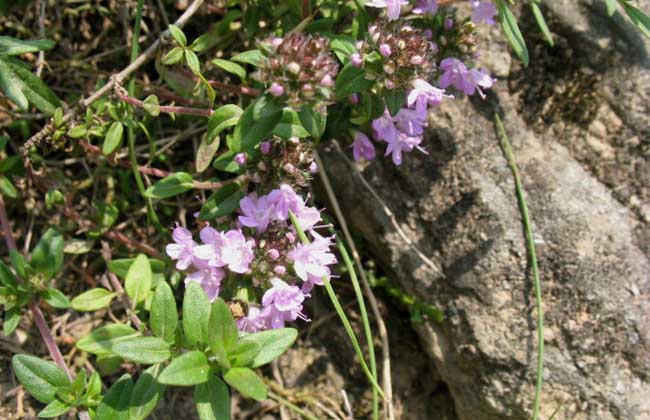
523	207
6	227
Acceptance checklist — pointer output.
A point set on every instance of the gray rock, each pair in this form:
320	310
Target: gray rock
458	208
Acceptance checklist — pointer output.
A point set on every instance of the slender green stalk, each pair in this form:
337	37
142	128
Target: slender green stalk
130	134
523	207
339	310
291	406
366	323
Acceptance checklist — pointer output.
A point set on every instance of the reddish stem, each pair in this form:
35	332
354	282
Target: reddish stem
6	227
123	163
48	338
202	112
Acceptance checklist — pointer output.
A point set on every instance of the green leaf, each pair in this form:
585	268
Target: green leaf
222	331
120	266
146	393
290	126
115	404
252	57
94	387
247	382
230	67
102	340
222	202
205	153
92	300
145	350
54	409
113	139
47	257
13	46
151	105
394	100
6	276
256	123
611	7
11	320
34	89
178	35
212	400
7	188
640	19
196	314
173	56
39	377
17	262
222	118
314	122
193	62
56	298
77	132
189	369
512	32
541	22
164	315
351	80
11	85
226	162
174	184
343	46
79	382
78	246
271	344
138	279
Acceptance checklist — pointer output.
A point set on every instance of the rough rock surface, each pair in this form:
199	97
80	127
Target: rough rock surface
578	120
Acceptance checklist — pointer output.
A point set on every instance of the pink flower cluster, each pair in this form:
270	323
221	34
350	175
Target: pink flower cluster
482	10
261	247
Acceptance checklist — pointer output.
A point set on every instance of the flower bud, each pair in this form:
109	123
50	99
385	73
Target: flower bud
354	99
388	84
273	254
240	159
416	60
293	68
449	24
294	140
384	50
356	60
327	81
265	147
289	168
280	270
313	167
276	89
262	166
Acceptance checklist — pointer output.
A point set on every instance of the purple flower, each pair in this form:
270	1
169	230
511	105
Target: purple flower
424	94
209	279
384	128
448	24
210	251
256	211
484	11
255	320
426	7
402	143
284	199
392	6
362	147
237	251
411	121
467	81
312	259
285	303
308	217
183	248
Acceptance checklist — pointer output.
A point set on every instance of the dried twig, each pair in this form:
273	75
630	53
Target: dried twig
117	78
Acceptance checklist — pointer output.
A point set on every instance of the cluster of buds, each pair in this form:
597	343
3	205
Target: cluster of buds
261	250
289	161
457	40
299	68
396	54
